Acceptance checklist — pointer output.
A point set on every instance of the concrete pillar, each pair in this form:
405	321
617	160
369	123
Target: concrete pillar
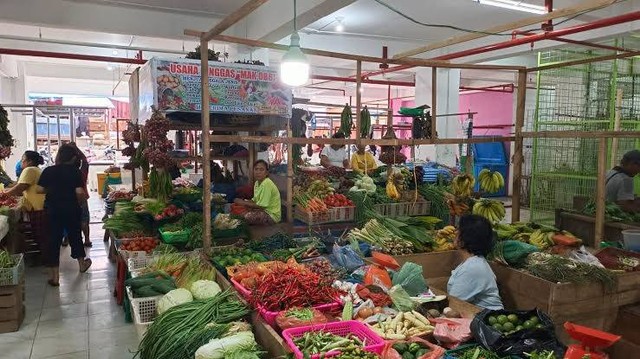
448	83
12	91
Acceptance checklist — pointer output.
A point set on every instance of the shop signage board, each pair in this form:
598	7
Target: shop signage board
173	85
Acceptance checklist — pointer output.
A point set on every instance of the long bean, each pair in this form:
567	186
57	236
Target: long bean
174	333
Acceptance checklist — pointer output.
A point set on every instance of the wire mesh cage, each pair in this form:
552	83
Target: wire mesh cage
577	98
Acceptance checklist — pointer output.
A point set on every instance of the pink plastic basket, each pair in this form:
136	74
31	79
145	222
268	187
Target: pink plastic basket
373	343
270	317
244	292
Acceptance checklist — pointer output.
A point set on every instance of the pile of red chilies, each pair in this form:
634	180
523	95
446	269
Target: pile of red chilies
286	288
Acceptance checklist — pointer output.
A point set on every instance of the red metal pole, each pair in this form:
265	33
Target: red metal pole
632	16
373	82
62	55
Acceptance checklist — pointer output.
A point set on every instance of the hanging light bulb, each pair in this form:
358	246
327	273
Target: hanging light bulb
294	67
339	24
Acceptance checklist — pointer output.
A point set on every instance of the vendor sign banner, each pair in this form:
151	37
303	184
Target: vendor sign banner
233	88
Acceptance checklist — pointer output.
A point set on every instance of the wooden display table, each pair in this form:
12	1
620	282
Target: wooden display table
583	227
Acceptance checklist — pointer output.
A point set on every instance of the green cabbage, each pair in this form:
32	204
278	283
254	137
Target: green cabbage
205	289
220	348
173	298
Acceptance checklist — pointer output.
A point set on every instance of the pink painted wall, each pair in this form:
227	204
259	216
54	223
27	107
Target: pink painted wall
493	109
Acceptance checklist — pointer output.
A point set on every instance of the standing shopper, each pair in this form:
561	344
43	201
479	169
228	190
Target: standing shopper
64	190
32	202
83	164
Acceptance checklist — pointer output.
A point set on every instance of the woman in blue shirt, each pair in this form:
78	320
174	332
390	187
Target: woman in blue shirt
473	280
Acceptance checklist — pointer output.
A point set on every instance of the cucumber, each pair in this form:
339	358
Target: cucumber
163	286
146	291
135	283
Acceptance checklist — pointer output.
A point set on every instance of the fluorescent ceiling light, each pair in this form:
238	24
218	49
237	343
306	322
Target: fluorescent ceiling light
515	5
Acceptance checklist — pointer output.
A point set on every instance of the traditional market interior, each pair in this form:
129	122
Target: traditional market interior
349	179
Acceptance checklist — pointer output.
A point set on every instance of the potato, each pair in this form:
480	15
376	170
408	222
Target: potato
452	314
433	313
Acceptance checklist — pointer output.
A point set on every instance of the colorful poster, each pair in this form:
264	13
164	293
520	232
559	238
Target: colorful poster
233	88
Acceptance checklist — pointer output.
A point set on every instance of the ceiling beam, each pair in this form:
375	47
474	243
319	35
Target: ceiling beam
307	18
233	18
338	55
564	12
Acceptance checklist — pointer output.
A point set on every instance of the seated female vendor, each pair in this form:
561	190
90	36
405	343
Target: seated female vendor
473	280
265	206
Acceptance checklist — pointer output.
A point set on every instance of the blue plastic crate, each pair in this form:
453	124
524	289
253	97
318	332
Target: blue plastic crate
490	152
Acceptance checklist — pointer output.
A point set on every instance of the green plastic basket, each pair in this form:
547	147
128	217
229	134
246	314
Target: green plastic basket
175	237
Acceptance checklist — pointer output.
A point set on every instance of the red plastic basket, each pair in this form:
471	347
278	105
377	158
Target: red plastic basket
270	317
373	343
244	292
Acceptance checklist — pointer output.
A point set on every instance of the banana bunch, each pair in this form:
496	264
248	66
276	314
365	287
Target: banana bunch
505	231
444	239
462	185
392	191
490	181
522	237
542	239
490	209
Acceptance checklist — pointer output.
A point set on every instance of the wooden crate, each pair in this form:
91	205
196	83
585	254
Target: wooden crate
332	215
589	304
11	307
627	324
583	227
402	209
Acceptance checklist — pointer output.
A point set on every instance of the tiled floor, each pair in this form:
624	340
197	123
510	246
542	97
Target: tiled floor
78	320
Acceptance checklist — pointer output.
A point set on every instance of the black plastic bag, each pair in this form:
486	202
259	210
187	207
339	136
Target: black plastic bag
520	342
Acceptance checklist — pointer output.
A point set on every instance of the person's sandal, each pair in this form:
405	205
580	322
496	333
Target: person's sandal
85	266
52	283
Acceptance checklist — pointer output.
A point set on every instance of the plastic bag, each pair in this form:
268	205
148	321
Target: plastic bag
450	332
401	299
582	255
378	276
411	279
435	352
520	342
346	257
286	322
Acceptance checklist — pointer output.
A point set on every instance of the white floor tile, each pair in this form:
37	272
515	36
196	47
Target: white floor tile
52	328
65	343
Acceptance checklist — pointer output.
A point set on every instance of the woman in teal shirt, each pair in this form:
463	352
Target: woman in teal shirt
473	280
265	206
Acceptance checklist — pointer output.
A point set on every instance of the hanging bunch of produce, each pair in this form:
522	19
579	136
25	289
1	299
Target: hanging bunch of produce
132	136
490	181
346	121
395	184
490	209
155	130
391	155
6	142
462	185
365	123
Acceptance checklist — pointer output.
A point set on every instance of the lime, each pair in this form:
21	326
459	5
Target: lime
508	326
492	320
528	324
513	318
497	327
502	319
519	328
534	320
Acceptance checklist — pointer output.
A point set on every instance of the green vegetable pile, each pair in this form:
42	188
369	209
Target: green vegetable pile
355	353
151	284
321	342
545	354
410	350
126	221
478	353
436	195
612	212
181	330
272	243
233	256
6	260
559	269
